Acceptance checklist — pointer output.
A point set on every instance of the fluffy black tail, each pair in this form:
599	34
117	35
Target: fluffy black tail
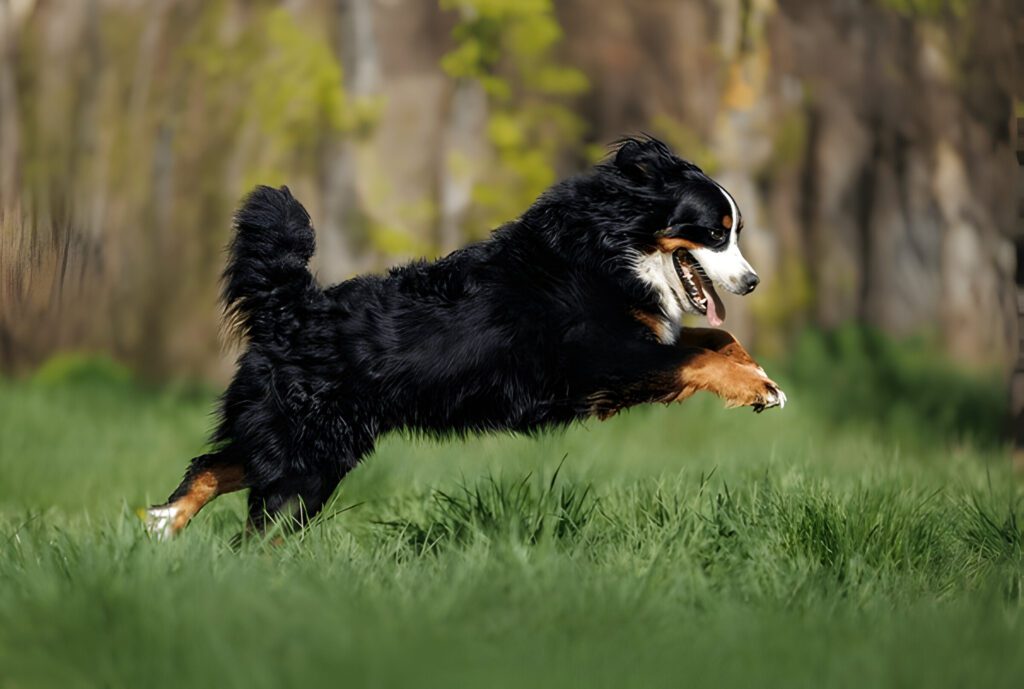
267	262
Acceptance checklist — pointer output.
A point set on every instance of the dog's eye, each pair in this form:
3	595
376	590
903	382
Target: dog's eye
717	234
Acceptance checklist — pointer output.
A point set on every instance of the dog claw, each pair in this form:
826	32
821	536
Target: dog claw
775	398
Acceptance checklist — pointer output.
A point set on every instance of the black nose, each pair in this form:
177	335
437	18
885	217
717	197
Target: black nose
750	281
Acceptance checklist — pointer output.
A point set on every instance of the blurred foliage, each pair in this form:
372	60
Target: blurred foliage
396	241
789	140
782	305
93	374
508	47
79	368
134	149
928	9
282	78
687	141
133	128
859	375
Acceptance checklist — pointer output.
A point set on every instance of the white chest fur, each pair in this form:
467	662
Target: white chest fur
656	270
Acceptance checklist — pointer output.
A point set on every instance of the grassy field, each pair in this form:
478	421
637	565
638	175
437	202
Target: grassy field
868	535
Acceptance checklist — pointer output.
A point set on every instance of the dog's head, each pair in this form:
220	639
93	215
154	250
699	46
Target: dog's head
689	243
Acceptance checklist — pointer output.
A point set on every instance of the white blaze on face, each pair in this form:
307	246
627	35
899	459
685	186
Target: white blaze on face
727	266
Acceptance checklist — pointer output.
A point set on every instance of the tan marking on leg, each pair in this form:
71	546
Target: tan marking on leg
204	487
738	384
716	340
717	363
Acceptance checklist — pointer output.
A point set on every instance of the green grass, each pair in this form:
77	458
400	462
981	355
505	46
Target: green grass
876	542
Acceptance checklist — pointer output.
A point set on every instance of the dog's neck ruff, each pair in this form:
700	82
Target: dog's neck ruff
656	271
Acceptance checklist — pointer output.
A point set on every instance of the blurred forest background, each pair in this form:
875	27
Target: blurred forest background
869	144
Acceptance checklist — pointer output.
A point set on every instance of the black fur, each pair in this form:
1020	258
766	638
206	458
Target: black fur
532	328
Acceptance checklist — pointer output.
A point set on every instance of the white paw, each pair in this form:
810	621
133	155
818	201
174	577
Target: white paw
780	399
775	397
772	397
159	522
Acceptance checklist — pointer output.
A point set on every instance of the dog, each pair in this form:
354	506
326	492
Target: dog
569	312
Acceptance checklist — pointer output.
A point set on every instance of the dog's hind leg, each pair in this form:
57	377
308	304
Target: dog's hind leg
207	477
296	498
292	502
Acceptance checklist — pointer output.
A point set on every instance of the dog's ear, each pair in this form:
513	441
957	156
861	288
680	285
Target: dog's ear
642	158
635	158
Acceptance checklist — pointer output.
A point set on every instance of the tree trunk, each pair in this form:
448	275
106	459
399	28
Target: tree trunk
463	147
343	223
9	120
1017	377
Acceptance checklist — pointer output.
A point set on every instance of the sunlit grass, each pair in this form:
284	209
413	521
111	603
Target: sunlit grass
685	545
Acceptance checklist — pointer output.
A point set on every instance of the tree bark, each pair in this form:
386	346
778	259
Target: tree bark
463	147
10	136
343	225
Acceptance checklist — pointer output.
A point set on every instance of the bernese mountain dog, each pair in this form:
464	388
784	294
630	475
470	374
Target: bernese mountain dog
571	311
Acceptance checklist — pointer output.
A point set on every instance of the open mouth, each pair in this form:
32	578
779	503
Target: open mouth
697	287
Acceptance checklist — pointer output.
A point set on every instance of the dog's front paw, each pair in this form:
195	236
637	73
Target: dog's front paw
771	396
767	393
756	390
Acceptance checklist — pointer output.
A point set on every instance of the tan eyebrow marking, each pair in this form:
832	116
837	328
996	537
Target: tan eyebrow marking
670	244
727	222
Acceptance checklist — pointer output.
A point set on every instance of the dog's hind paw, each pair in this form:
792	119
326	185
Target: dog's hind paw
159	521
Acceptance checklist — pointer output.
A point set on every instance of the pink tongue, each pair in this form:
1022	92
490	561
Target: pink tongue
716	309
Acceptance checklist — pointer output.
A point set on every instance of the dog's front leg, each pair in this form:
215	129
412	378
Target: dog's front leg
673	374
716	340
731	375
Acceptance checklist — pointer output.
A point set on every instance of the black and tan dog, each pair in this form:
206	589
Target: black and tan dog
571	311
